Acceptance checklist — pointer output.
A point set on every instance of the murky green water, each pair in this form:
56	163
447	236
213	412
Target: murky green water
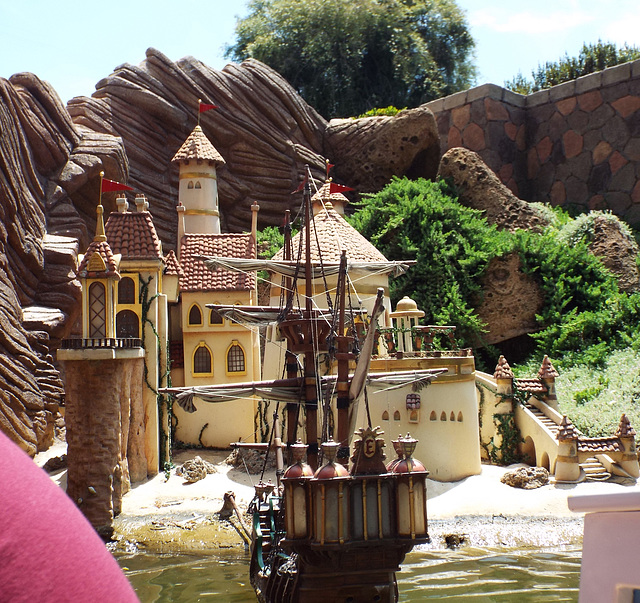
475	575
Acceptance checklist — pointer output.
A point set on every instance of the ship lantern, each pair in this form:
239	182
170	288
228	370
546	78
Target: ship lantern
331	500
295	481
411	492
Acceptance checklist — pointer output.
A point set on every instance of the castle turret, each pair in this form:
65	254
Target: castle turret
567	461
627	436
198	187
98	272
547	375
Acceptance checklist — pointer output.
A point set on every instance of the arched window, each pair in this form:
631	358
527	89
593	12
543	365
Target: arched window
385	415
198	184
460	417
215	318
195	315
396	415
97	310
452	416
432	416
202	364
443	416
235	359
190	185
127	325
126	291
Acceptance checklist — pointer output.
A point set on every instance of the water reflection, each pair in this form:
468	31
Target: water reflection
469	574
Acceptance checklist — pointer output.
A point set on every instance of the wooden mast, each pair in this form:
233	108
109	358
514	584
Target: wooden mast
311	396
343	356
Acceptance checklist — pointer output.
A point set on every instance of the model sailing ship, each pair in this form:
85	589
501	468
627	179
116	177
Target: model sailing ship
337	527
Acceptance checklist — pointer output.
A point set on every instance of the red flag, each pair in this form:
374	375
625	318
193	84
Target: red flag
109	186
338	188
300	186
329	166
205	107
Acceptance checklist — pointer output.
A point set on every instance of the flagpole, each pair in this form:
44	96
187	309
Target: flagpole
100	197
199	112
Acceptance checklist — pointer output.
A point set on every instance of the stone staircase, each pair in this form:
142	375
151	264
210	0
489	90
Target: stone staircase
592	467
595	470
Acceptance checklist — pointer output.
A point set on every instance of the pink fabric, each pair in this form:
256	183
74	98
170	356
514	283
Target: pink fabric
48	550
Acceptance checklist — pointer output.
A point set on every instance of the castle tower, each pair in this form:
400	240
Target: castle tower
198	185
98	272
547	375
627	436
567	461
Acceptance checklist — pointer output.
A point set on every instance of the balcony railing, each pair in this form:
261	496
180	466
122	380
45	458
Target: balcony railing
101	342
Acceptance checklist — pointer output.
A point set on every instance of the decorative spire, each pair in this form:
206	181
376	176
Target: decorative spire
503	370
100	236
624	429
567	430
547	371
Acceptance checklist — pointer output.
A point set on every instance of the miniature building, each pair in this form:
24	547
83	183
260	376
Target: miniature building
205	347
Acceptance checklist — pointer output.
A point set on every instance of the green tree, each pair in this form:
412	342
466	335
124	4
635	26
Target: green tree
592	58
346	57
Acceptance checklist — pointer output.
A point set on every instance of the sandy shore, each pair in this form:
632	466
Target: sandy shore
170	515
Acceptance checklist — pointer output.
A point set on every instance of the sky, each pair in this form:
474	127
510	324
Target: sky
73	44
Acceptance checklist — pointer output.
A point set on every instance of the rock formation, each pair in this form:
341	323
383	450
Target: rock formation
481	189
262	127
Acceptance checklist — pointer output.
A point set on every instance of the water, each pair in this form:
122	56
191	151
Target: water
474	575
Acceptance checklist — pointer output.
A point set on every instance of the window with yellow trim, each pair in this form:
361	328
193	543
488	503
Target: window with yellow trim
235	359
126	291
202	360
97	310
215	318
195	316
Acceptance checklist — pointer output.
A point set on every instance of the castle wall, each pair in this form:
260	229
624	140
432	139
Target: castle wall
574	144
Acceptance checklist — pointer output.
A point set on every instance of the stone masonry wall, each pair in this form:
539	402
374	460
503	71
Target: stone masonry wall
574	144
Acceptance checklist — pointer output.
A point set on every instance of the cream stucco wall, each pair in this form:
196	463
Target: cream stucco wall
217	425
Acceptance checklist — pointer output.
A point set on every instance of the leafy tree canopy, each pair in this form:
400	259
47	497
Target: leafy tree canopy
346	57
592	58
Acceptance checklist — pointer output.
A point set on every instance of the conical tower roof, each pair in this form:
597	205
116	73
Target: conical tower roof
198	146
330	235
503	370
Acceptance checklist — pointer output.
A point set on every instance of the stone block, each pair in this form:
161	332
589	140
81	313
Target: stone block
473	138
455	100
562	91
567	105
538	98
573	144
436	105
618	73
586	83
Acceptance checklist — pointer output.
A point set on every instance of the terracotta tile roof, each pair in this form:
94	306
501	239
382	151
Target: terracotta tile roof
334	234
503	370
533	386
547	370
171	265
133	235
98	262
595	445
199	278
198	146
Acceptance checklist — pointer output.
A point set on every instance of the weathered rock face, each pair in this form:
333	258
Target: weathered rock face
263	129
527	478
618	252
481	189
39	295
510	302
367	152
